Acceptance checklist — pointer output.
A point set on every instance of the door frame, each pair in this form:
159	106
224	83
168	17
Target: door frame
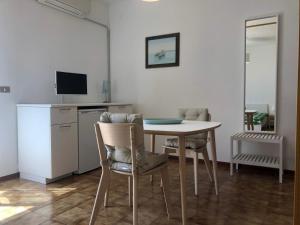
297	169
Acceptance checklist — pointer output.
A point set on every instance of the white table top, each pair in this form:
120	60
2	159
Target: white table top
187	127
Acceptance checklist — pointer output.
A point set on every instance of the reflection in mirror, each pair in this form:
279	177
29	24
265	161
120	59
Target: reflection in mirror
261	74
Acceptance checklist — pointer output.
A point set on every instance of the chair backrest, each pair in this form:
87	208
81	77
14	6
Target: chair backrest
123	137
200	114
117	134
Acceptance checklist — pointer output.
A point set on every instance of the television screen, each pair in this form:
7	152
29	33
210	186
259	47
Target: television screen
71	83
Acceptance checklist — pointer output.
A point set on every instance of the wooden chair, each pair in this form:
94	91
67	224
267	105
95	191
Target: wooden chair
128	136
195	144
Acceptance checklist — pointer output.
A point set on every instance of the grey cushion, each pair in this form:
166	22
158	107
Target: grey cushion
120	158
151	161
190	142
200	114
107	117
123	154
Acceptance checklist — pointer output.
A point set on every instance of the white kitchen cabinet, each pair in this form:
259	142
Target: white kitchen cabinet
48	139
88	157
47	142
64	144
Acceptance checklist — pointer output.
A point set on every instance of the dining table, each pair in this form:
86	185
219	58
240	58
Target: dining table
182	130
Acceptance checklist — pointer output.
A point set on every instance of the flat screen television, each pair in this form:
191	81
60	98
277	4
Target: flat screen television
71	83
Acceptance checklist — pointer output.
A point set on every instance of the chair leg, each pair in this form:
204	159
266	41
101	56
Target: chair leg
103	185
164	150
166	189
167	151
207	165
152	140
135	199
107	192
214	159
130	190
196	163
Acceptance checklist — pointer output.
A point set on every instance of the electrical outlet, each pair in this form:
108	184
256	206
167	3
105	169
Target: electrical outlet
4	89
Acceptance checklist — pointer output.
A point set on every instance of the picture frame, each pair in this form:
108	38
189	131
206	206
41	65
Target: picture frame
163	51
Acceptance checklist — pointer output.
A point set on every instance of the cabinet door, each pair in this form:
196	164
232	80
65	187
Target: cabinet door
88	149
64	149
120	109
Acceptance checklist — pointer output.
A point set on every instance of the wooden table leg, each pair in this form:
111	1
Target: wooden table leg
182	172
214	158
152	142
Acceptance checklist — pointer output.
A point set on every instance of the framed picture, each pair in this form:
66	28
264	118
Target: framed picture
162	51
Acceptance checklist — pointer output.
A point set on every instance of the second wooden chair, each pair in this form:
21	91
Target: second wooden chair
195	144
120	140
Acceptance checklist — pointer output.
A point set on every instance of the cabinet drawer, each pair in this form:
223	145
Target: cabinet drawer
120	109
62	115
64	155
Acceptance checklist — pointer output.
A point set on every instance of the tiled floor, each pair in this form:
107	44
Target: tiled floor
251	197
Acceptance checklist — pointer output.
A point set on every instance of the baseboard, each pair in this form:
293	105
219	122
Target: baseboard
227	164
42	180
9	177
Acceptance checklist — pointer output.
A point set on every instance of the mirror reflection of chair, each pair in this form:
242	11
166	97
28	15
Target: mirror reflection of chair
258	118
195	144
249	120
120	139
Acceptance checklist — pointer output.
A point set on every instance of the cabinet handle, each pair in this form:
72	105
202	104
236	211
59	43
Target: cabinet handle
65	126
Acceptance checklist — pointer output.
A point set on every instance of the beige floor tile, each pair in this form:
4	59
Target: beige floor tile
251	196
31	218
72	216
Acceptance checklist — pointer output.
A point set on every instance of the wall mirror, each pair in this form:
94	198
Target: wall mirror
261	50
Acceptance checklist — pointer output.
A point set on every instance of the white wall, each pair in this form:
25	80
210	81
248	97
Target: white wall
36	40
99	11
211	70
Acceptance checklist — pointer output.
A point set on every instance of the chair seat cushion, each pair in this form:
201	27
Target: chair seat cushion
152	161
191	142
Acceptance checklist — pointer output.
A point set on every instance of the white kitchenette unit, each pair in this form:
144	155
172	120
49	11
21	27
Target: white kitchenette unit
56	140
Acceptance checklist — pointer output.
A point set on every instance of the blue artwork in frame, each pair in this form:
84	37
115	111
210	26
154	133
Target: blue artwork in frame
162	50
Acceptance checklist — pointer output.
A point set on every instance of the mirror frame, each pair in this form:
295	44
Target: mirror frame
277	15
